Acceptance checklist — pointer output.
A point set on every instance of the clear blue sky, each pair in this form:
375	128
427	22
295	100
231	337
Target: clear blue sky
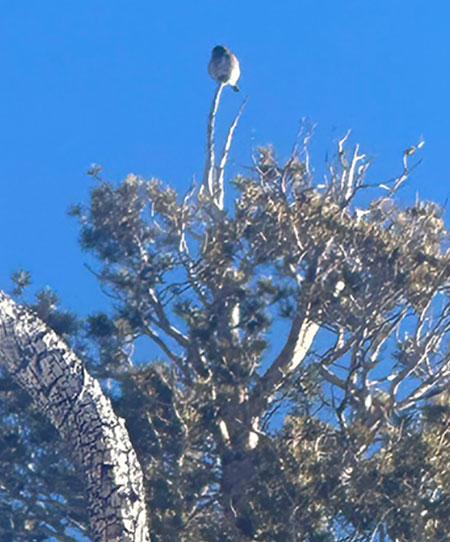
123	83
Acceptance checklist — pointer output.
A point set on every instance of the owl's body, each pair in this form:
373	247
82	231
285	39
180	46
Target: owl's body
224	67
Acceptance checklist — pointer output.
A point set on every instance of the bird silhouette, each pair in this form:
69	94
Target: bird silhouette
224	67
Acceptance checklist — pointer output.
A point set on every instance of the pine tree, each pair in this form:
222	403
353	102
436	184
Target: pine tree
297	384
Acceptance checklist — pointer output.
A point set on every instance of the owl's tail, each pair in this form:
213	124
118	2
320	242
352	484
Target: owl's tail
235	88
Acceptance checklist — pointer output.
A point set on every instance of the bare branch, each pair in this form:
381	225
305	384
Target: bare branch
219	189
164	323
155	338
209	174
301	335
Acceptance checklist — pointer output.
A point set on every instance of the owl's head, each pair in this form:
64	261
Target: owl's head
219	50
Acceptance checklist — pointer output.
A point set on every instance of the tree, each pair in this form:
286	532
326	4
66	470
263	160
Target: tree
300	389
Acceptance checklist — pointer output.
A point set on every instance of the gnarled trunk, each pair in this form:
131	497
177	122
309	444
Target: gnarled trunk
61	387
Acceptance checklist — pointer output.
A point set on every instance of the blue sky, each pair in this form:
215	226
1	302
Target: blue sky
124	84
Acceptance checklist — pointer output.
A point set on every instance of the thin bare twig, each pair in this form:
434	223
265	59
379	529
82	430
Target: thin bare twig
219	195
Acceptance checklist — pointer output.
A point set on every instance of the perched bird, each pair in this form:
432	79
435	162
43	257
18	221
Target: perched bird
224	67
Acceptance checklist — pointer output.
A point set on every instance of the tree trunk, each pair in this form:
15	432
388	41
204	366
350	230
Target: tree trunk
60	386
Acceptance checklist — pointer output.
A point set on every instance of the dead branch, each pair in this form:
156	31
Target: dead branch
219	197
208	176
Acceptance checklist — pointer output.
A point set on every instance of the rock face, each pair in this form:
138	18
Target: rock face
61	387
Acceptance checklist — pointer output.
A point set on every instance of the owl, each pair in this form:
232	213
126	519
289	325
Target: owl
224	67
